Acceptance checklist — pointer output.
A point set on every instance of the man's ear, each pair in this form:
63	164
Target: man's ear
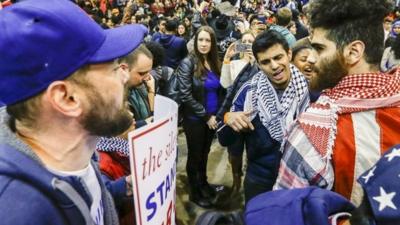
64	98
354	52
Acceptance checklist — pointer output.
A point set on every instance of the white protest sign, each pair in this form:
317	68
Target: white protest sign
164	107
153	165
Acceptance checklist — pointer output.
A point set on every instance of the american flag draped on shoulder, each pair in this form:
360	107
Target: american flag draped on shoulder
311	205
309	148
381	184
355	93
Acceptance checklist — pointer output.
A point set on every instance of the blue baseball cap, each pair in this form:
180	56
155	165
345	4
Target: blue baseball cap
42	41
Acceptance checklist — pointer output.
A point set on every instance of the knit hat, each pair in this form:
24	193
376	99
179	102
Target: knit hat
222	26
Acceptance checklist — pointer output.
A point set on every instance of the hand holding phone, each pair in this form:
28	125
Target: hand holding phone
240	47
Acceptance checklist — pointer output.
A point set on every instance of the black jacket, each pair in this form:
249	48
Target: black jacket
191	90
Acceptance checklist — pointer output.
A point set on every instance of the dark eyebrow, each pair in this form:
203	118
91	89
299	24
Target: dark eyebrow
303	57
278	56
317	45
265	61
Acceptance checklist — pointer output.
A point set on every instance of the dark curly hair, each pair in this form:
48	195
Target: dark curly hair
266	40
350	20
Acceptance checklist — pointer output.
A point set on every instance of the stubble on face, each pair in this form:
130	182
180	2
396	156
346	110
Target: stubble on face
330	71
103	119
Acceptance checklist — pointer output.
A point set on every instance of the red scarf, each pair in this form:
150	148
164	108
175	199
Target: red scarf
354	93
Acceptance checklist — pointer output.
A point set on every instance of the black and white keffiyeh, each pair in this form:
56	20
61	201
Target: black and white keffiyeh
113	144
277	115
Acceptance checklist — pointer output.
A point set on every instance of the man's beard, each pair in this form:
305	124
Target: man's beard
329	73
99	121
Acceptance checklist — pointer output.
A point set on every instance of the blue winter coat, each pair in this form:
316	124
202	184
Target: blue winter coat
175	49
262	150
30	194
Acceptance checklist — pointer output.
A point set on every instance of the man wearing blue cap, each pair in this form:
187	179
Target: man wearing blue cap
63	87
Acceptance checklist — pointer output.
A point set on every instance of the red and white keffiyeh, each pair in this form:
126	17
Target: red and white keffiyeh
354	93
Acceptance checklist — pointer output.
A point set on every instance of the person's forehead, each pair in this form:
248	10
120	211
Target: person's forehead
204	34
303	52
319	36
248	36
271	52
143	58
144	66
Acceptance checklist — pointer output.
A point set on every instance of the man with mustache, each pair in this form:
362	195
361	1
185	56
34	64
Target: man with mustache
357	116
63	87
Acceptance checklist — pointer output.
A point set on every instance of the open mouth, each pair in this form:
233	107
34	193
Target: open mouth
278	75
308	70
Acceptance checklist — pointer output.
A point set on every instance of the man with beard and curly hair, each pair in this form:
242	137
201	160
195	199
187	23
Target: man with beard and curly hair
357	115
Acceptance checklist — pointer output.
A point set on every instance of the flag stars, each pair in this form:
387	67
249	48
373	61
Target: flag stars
369	175
394	153
385	199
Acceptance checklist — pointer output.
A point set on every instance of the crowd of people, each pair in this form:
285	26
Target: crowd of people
310	91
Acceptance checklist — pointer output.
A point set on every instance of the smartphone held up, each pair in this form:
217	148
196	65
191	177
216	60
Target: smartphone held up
241	47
